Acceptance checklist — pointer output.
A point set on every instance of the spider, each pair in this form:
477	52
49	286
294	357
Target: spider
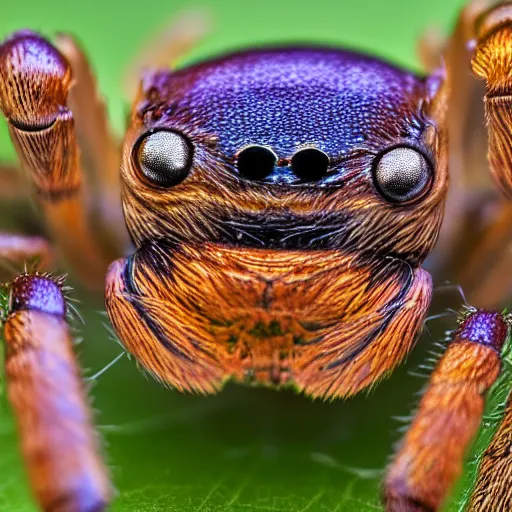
280	203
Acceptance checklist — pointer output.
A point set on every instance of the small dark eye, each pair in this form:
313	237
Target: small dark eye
164	157
310	164
256	162
402	174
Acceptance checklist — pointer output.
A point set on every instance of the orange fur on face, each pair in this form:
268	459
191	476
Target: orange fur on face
201	314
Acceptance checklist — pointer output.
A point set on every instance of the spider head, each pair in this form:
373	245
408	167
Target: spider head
288	149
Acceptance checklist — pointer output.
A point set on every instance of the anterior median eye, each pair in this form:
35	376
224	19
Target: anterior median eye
402	174
164	157
256	162
310	164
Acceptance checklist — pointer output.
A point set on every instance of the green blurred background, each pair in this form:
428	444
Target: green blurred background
245	449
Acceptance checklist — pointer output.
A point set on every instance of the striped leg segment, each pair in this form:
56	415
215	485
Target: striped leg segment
34	84
58	441
493	488
99	149
485	274
431	455
492	61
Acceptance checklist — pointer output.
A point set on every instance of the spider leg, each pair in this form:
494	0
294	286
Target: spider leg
495	470
174	41
430	49
473	249
45	388
20	248
491	61
34	83
12	188
431	455
100	149
470	187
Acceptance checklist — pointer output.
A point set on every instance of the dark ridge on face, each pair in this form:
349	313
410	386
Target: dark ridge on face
273	231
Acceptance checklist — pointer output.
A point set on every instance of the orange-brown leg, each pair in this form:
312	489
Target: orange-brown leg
49	97
481	260
15	249
493	487
34	83
45	389
99	149
44	386
11	183
430	49
17	212
470	185
431	455
492	60
174	41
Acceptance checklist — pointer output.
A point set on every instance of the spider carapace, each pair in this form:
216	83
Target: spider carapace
281	202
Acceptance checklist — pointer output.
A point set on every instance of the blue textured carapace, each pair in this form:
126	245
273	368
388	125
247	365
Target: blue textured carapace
335	100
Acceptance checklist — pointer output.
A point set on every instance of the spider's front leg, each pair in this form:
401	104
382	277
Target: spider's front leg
492	61
431	455
59	445
482	263
16	248
35	82
45	389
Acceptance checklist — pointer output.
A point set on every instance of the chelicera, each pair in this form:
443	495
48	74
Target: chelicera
280	203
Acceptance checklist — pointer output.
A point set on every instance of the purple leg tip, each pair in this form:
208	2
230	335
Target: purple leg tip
40	293
488	328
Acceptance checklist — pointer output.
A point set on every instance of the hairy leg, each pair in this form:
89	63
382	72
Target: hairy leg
493	487
12	188
470	186
480	260
174	41
34	83
100	150
431	455
44	386
26	249
45	389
